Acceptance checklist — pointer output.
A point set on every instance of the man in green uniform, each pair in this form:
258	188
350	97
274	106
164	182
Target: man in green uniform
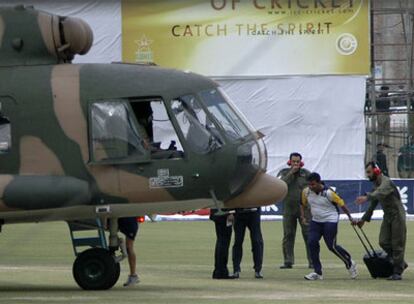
393	231
296	179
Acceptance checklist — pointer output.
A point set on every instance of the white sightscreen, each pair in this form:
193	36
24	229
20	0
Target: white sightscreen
320	117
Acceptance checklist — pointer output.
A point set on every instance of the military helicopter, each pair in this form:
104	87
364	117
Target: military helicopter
87	141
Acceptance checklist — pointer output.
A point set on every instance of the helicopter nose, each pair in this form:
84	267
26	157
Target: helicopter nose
264	190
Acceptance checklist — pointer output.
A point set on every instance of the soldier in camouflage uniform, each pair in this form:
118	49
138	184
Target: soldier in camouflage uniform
393	231
296	179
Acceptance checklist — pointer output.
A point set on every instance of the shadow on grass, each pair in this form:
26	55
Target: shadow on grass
38	288
77	290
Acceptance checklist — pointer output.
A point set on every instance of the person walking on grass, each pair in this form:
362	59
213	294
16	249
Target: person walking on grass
324	205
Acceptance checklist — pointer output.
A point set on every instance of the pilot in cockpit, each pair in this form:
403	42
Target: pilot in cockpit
144	114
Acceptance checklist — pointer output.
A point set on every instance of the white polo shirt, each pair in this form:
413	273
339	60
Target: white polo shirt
324	205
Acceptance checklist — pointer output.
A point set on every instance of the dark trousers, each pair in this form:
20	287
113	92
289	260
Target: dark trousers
290	223
328	231
221	253
242	221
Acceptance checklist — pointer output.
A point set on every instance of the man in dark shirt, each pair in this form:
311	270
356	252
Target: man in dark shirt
382	159
383	104
223	223
248	218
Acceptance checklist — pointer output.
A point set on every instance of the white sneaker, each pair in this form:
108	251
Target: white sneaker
353	270
313	276
132	280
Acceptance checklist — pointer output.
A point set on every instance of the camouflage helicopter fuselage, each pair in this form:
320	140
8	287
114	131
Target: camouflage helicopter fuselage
48	170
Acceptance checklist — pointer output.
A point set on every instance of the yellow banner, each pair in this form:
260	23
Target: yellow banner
249	37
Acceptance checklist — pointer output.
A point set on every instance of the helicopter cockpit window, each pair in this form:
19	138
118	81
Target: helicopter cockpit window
198	130
114	133
5	134
226	115
153	117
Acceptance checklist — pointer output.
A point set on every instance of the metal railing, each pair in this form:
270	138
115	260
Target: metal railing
390	140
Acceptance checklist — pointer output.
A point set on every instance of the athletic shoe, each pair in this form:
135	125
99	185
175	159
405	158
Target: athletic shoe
286	266
395	277
353	270
313	276
236	275
132	280
258	275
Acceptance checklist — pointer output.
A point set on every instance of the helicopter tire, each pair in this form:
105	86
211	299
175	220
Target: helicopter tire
96	269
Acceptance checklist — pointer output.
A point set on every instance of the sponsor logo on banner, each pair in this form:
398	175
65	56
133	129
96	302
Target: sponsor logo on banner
404	196
144	52
249	37
346	44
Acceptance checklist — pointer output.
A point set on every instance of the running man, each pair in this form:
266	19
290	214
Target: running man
324	203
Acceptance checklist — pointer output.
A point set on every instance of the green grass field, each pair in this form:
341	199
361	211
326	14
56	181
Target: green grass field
175	263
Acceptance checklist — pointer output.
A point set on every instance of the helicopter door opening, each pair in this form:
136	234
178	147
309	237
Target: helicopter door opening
153	118
115	137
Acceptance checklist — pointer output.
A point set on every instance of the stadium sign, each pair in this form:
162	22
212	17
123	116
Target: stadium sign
249	37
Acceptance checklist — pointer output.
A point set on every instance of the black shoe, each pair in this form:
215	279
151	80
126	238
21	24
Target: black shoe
395	277
223	277
286	266
258	275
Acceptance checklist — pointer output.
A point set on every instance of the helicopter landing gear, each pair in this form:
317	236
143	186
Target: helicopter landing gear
97	268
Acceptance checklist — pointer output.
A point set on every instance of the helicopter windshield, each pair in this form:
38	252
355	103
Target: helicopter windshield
197	128
227	115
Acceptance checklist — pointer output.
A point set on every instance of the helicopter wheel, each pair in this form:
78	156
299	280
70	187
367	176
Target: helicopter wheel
96	269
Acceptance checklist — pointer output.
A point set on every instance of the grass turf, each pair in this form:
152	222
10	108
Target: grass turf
175	263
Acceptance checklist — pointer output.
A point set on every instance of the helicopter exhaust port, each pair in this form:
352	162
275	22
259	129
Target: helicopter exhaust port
65	37
53	39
